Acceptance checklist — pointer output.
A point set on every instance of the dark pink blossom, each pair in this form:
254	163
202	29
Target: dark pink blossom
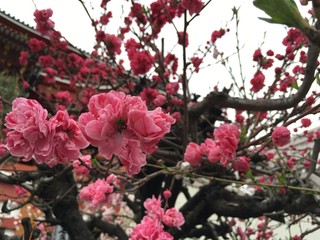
193	6
241	164
280	136
113	43
23	59
257	82
306	122
44	24
99	192
36	45
140	62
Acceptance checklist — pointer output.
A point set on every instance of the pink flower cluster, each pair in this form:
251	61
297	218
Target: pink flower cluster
151	226
99	192
121	125
44	24
54	141
222	149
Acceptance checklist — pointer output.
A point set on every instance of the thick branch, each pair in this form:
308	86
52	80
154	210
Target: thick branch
112	229
221	99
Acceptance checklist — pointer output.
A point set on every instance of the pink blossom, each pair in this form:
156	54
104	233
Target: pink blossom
140	62
257	82
159	100
196	63
36	45
44	24
149	127
99	192
212	150
173	218
149	229
193	6
217	34
193	154
3	150
306	122
167	194
241	164
183	39
227	136
82	167
280	136
172	88
23	59
153	208
113	43
20	191
122	125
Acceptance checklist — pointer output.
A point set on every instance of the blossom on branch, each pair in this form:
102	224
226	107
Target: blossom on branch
44	24
280	136
121	125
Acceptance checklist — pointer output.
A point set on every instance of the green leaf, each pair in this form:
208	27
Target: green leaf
295	85
283	12
318	78
249	175
282	179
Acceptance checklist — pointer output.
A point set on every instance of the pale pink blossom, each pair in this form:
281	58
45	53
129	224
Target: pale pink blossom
280	136
153	208
228	137
212	150
173	218
149	229
121	125
149	127
99	192
82	167
193	154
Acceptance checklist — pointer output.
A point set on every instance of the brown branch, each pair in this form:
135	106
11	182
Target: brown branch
220	99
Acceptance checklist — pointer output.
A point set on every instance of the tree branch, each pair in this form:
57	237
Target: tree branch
221	99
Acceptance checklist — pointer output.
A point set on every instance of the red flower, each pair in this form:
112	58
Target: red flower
257	82
280	136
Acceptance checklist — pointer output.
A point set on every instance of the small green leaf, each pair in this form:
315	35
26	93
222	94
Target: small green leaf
318	78
295	85
282	179
249	175
283	12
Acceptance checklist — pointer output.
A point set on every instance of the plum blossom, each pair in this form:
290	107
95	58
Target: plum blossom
44	24
54	141
173	218
221	149
193	154
151	226
193	6
121	125
99	192
280	136
241	164
82	167
149	229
